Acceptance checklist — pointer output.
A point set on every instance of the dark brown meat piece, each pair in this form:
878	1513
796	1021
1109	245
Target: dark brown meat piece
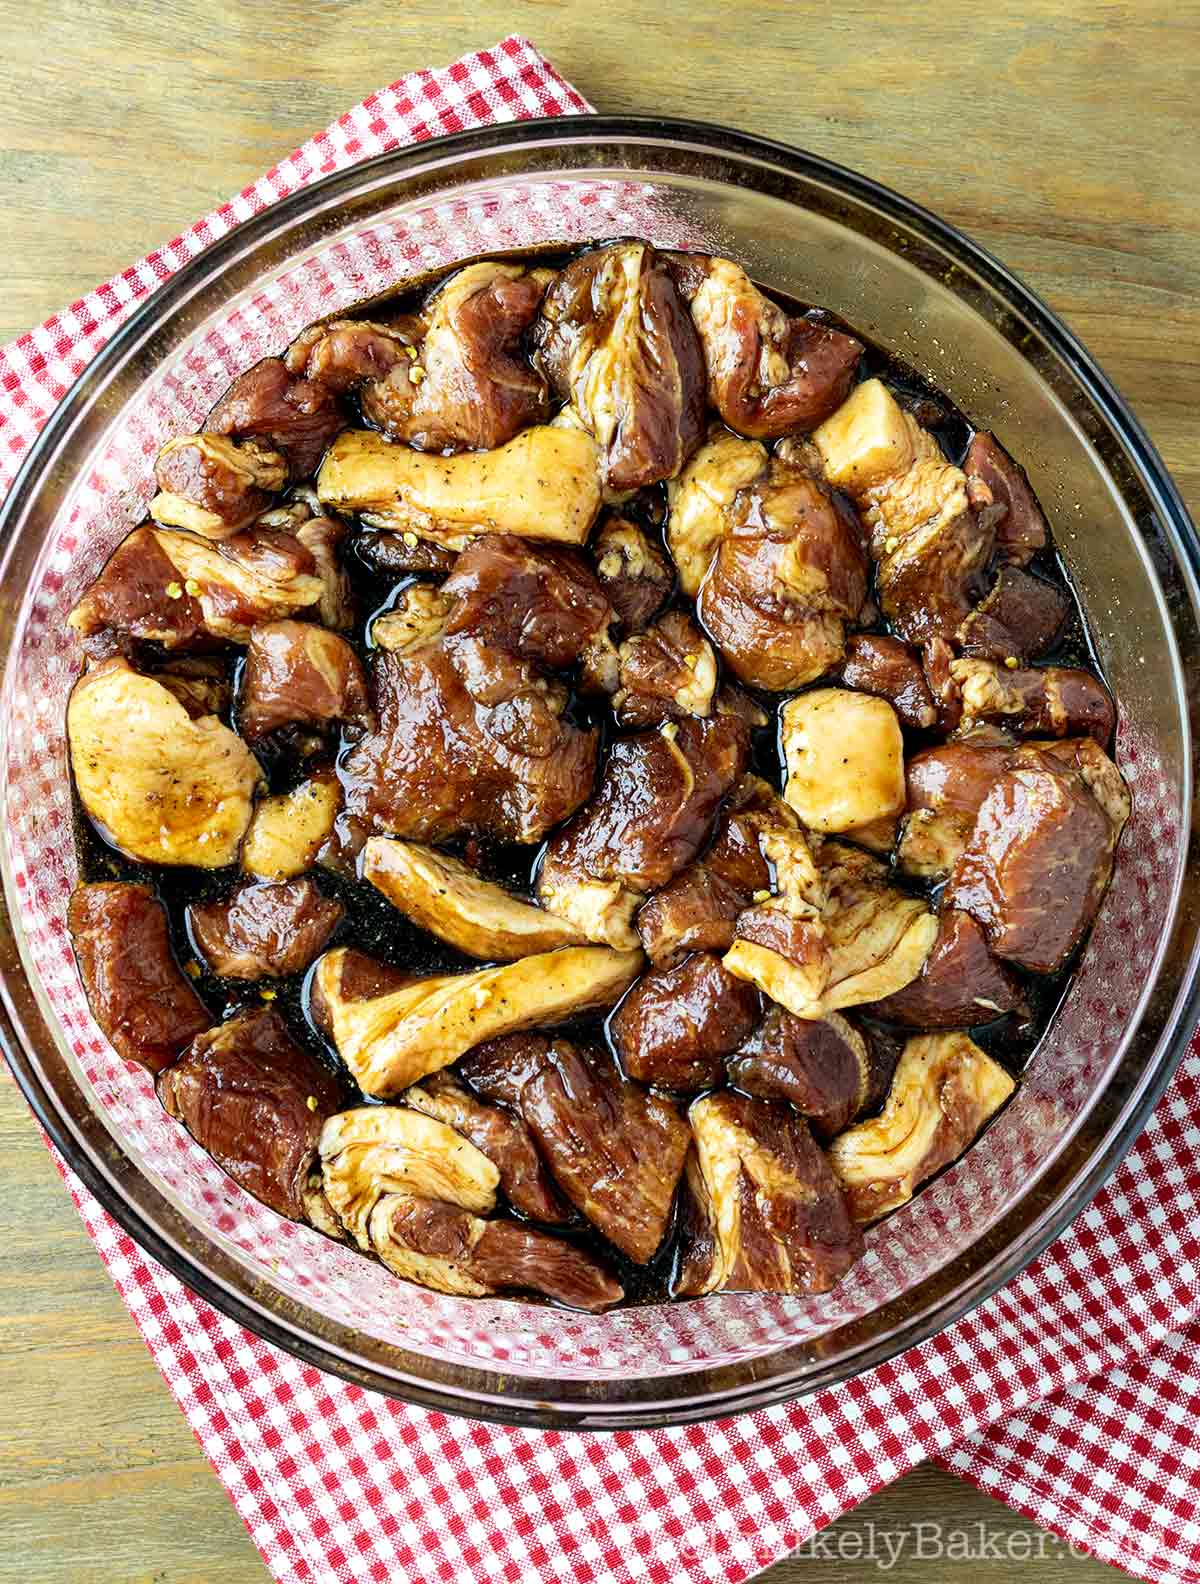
779	1220
960	985
213	485
534	602
467	739
998	486
201	684
889	669
129	598
614	338
695	912
768	373
676	1026
256	1102
298	674
650	816
825	1067
931	578
504	1139
264	931
634	573
186	592
946	786
455	378
145	1007
293	415
496	1255
936	659
391	554
1021	617
790	571
1046	701
666	673
500	1068
615	1150
1036	865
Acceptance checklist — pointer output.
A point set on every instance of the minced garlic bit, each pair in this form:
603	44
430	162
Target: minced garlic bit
890	543
174	590
691	661
192	587
192	969
417	373
1011	662
761	896
411	540
670	731
411	351
311	1102
267	995
610	564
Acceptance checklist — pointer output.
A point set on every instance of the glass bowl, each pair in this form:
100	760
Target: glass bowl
923	292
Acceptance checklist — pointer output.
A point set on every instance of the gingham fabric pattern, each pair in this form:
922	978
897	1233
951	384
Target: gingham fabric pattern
1073	1394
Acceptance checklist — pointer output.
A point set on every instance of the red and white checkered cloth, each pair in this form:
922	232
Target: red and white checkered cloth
1073	1394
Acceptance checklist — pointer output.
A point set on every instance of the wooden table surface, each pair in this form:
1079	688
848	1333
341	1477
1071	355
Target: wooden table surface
1063	134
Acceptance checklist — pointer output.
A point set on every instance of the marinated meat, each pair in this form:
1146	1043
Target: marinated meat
144	1006
458	381
768	373
999	486
633	572
930	546
504	1139
185	592
1052	701
960	985
298	674
451	1250
1019	619
531	601
676	1026
467	738
789	572
615	340
700	500
945	787
944	1090
666	673
824	1067
256	1102
264	931
215	486
651	814
889	669
695	912
400	555
499	1069
777	1217
293	415
614	1150
1036	864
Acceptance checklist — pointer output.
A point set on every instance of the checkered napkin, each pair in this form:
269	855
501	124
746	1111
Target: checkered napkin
1073	1394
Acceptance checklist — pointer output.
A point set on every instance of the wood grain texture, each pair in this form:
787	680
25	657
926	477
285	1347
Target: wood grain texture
1059	133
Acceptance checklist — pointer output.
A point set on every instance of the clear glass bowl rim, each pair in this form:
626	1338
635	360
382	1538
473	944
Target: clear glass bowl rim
791	1372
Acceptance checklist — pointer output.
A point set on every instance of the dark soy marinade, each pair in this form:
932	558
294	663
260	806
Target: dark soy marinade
374	926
